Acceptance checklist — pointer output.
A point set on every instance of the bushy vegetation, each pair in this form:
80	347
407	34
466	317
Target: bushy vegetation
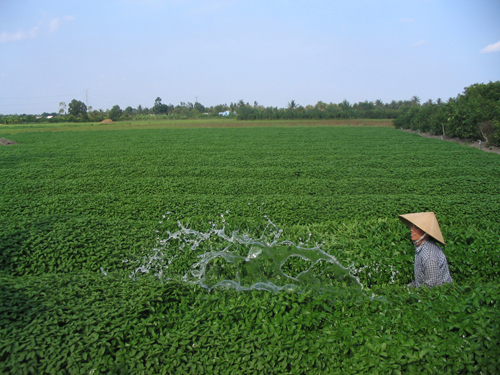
77	111
475	114
81	210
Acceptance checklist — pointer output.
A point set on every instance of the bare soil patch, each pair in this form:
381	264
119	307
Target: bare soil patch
464	142
107	121
6	142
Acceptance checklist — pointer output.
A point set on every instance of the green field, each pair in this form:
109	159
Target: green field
82	211
189	124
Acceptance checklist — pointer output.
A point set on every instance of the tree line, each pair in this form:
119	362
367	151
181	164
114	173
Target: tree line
77	111
474	114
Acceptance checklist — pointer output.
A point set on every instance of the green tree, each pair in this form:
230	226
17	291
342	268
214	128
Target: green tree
129	111
292	105
199	107
115	113
77	108
478	112
159	108
62	108
320	106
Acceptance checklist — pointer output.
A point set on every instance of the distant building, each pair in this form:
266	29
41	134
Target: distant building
225	113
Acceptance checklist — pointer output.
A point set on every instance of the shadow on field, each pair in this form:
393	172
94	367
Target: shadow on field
16	244
18	309
11	249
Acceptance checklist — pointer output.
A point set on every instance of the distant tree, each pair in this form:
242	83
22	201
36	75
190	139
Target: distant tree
394	105
115	113
199	107
159	108
29	118
219	108
77	108
96	115
346	109
345	105
415	100
292	105
128	111
320	106
365	106
62	108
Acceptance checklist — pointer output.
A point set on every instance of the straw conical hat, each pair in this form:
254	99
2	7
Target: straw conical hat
426	221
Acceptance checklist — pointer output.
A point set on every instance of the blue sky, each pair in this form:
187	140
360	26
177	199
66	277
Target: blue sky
129	52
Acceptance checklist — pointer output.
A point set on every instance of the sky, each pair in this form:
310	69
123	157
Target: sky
130	52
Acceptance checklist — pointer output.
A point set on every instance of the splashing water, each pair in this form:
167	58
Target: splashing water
216	259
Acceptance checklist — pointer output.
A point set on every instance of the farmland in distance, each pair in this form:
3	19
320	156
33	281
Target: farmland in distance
80	211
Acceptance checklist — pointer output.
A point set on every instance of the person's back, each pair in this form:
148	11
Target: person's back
431	267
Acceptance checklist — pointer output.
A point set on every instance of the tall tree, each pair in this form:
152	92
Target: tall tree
115	113
129	111
62	108
77	108
292	105
159	108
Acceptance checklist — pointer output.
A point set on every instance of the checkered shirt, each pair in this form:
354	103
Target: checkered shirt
431	266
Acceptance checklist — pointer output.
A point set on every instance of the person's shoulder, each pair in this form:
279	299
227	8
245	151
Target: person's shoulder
433	244
430	247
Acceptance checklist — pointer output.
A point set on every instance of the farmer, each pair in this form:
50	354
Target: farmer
431	266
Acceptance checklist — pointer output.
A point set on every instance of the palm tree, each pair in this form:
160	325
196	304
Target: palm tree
292	105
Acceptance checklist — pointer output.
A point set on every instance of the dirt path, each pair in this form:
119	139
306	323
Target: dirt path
483	147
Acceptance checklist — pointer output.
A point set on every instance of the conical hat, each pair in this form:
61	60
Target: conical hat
426	221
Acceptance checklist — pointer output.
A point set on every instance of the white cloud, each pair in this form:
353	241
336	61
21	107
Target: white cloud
57	22
52	27
6	37
495	47
419	43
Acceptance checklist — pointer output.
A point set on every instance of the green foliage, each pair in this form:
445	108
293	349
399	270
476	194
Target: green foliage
473	115
115	113
77	208
83	323
77	108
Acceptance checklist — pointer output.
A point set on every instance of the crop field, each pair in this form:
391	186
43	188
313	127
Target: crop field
243	250
190	124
